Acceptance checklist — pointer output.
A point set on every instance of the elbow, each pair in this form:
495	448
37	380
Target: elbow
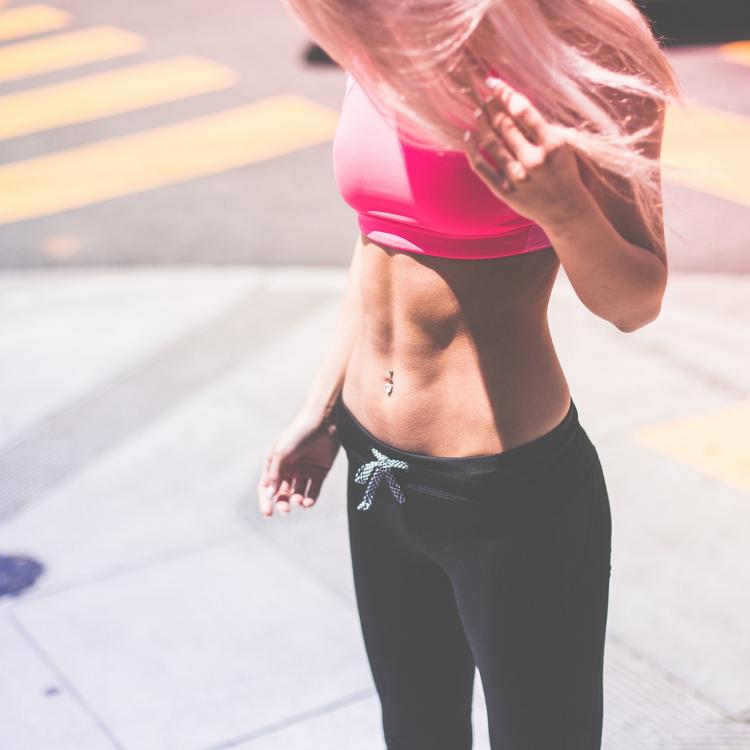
629	327
648	310
634	323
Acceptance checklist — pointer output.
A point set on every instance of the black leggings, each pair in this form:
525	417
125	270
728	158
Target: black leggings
500	562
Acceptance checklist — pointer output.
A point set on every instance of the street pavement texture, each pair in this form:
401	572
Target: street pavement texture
174	252
137	407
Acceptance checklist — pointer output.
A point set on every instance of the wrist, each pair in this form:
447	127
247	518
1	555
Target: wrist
569	213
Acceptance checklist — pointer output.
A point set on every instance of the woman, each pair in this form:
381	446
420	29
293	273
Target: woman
483	145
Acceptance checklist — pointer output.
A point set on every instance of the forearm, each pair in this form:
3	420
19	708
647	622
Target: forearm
616	279
329	377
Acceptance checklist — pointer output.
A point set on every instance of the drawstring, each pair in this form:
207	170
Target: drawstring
377	470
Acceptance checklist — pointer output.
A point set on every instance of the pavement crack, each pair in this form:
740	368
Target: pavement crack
69	687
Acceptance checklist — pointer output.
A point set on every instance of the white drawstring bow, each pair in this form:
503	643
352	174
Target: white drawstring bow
375	471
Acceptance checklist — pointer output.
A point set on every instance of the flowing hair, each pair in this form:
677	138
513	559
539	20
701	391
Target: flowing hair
593	68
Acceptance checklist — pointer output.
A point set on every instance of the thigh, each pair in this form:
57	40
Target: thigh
534	607
420	660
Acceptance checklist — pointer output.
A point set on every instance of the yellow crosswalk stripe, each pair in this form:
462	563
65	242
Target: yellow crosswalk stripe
31	19
162	156
738	52
715	443
66	50
709	147
113	92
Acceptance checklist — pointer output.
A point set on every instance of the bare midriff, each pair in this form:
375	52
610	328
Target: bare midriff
474	368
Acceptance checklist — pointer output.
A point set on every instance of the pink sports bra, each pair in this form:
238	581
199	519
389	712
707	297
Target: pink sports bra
416	199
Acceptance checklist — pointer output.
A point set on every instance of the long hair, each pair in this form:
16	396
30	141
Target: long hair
586	65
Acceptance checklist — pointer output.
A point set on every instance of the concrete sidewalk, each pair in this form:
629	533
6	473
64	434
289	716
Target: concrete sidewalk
135	408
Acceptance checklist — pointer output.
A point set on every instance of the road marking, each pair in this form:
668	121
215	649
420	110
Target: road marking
66	51
113	92
31	19
709	147
737	52
162	156
715	443
59	246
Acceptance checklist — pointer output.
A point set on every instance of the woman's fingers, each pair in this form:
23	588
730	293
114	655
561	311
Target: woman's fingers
313	490
306	489
512	117
299	487
281	485
499	115
273	468
267	485
496	137
269	482
523	150
488	138
265	497
290	490
283	494
522	110
496	178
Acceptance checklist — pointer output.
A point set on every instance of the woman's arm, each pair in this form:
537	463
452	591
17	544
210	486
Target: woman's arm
302	454
599	236
605	250
330	376
620	281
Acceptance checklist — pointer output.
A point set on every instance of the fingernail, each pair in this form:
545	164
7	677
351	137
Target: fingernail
467	136
269	490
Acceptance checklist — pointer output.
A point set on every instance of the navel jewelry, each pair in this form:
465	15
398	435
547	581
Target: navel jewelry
389	384
373	472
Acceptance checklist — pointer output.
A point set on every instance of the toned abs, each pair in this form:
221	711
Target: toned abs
474	369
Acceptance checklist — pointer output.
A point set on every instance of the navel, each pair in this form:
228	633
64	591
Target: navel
389	382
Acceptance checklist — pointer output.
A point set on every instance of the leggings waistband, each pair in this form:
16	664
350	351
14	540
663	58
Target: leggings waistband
520	461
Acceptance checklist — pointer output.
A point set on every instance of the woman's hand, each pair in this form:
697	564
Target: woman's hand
536	173
297	463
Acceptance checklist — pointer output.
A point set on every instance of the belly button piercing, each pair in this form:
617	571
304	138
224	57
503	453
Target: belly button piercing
389	384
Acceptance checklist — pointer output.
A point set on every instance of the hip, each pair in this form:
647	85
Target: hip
541	508
528	483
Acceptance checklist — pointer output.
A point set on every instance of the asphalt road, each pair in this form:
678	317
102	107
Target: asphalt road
166	132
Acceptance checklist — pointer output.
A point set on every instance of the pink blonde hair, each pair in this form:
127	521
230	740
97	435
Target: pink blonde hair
593	68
